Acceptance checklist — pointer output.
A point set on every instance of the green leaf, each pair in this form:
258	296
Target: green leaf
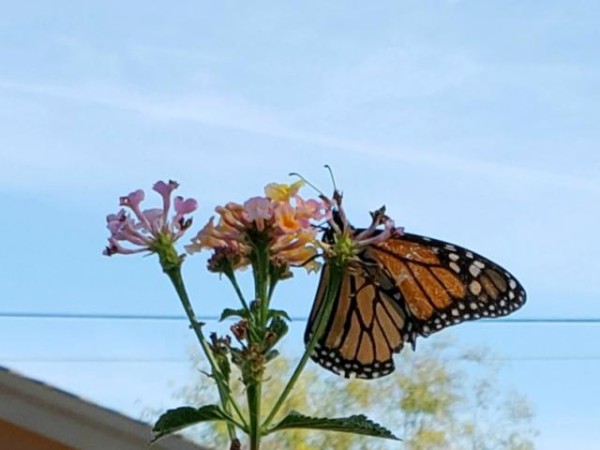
271	355
357	424
228	312
279	313
179	418
278	326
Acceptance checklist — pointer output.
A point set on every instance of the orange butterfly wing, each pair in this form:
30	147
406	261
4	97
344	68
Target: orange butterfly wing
364	329
406	286
444	284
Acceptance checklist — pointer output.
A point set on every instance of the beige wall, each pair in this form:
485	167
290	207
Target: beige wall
13	437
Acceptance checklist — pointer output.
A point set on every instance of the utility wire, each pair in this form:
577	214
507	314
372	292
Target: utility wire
213	318
166	317
135	360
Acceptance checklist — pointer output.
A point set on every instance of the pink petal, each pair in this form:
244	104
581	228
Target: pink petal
186	206
133	200
156	218
258	208
114	247
182	207
165	190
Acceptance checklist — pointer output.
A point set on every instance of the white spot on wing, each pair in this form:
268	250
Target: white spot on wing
474	270
475	288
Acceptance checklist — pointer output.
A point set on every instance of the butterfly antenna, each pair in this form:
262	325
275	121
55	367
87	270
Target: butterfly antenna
295	174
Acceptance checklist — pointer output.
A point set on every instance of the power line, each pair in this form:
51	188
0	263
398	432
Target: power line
102	316
136	360
99	316
213	318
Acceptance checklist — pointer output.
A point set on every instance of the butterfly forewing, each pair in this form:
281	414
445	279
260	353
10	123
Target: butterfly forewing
443	284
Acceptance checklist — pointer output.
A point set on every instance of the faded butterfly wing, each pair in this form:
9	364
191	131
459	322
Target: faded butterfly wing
404	287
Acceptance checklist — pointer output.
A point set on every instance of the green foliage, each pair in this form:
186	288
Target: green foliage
229	313
357	424
279	313
185	416
438	398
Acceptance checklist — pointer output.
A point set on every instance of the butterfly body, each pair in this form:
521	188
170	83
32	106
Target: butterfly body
400	288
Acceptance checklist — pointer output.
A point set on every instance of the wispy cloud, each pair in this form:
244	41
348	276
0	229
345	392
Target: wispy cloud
232	113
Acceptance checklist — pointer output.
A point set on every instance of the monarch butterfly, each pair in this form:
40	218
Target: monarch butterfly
401	287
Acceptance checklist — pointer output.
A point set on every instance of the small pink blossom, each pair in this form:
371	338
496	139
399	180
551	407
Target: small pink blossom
311	209
258	209
148	229
165	190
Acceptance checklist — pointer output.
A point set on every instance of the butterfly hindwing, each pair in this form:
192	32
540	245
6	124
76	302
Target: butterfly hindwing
365	328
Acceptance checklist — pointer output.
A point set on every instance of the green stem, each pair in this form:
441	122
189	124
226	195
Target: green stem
231	276
261	283
258	318
253	392
174	275
335	278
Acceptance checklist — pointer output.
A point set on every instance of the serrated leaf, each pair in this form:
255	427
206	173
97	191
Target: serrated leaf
228	312
357	424
179	418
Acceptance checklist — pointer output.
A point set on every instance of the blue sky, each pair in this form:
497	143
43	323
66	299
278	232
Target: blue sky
474	122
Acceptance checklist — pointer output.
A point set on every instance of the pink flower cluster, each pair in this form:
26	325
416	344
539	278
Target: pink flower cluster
152	227
281	220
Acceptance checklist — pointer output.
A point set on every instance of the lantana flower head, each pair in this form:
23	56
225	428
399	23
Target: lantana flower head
281	221
149	230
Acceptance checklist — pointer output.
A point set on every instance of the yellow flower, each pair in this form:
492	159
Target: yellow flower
283	192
